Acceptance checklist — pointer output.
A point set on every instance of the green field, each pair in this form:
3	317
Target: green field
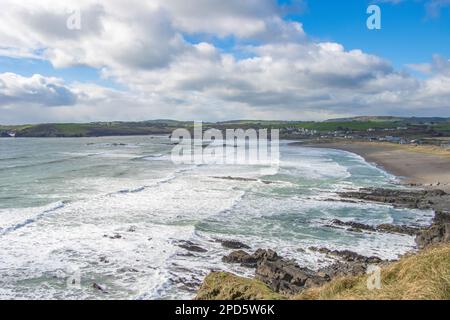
361	124
444	128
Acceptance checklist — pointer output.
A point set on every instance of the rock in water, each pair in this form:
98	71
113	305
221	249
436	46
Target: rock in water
348	256
387	228
192	247
241	257
414	199
233	244
99	287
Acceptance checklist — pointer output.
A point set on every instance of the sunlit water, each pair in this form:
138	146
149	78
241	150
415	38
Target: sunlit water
63	201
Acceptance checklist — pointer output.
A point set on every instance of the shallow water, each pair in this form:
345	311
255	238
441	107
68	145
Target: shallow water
62	202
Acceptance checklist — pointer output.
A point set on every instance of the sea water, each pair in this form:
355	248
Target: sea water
113	211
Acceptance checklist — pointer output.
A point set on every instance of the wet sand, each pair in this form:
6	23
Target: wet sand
427	166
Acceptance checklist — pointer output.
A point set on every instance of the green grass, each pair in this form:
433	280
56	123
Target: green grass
350	125
319	126
167	126
444	128
91	129
422	276
226	286
425	276
8	128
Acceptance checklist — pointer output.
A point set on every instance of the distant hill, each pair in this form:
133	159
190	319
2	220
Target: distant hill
95	129
165	126
410	120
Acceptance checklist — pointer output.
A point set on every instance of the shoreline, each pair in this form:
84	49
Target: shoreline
418	166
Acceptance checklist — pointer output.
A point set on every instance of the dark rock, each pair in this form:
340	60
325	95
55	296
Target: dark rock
284	276
241	257
287	277
99	287
348	256
233	244
353	225
270	255
340	269
437	200
355	230
413	199
127	269
388	228
115	236
442	217
437	233
190	246
398	229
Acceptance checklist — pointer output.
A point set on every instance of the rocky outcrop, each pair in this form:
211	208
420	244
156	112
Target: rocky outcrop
388	228
439	232
437	200
287	277
414	199
348	256
415	277
241	257
192	247
392	228
232	244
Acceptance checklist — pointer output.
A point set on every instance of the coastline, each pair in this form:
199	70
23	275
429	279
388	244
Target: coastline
422	166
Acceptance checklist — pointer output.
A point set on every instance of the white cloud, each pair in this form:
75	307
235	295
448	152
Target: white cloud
141	45
36	89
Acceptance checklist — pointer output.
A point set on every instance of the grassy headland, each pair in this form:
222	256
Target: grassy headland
97	129
366	128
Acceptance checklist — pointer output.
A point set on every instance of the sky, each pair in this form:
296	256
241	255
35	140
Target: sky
214	60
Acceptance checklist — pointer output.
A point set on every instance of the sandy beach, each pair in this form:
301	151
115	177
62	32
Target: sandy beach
427	166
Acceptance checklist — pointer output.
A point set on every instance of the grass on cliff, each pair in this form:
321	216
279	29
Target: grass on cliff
226	286
425	276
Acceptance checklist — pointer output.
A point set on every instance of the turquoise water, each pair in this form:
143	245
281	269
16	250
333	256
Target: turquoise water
64	201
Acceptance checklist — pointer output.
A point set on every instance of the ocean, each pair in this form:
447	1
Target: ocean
115	210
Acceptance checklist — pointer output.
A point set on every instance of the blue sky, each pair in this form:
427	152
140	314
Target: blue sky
219	60
408	36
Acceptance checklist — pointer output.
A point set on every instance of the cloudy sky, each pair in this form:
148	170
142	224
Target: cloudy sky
221	60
